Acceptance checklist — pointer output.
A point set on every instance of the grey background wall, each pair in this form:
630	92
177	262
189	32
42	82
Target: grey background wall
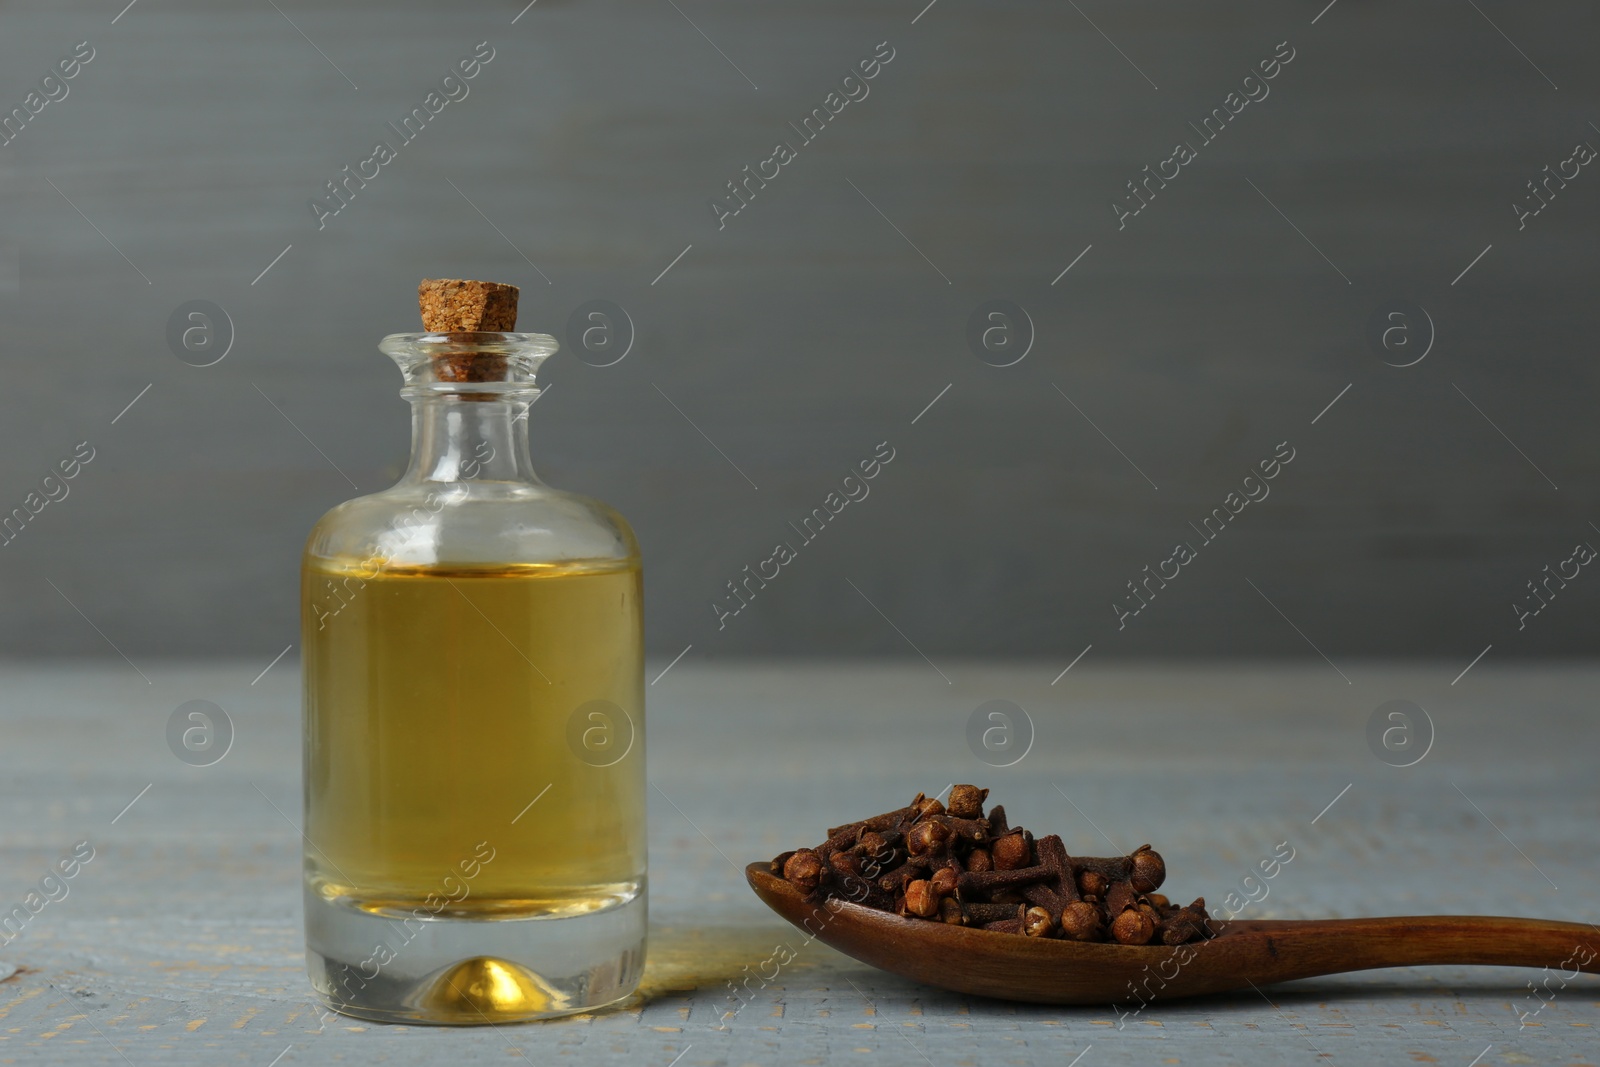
1217	323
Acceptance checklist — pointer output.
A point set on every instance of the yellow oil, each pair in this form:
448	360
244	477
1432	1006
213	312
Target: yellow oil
475	737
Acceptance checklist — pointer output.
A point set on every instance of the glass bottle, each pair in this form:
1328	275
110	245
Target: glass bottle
474	731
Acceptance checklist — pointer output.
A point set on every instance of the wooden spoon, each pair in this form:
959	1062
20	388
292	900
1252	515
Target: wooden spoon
1013	967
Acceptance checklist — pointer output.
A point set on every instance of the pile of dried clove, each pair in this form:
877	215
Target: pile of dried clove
947	862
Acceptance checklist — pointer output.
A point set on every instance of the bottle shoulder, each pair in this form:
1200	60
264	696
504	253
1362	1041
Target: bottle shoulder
472	523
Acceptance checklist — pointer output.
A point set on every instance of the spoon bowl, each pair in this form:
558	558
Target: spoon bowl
1048	971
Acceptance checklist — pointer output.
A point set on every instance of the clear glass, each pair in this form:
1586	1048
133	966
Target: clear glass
474	719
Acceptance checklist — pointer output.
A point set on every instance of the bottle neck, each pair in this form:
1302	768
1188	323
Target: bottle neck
470	438
470	394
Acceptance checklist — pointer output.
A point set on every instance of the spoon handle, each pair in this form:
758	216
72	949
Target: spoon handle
1328	946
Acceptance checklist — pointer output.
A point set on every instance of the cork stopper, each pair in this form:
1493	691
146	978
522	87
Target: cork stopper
451	305
454	305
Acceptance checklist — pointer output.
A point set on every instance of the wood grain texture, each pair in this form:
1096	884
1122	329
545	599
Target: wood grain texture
180	942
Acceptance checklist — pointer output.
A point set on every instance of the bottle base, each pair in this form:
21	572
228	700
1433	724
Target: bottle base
471	972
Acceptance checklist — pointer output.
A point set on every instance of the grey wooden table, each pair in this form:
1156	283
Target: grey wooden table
179	941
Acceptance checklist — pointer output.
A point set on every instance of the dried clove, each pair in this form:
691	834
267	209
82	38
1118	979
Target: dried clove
969	830
921	899
1186	924
1012	851
981	882
1036	922
948	863
1120	897
945	881
998	827
928	838
987	913
925	807
1082	921
846	863
896	880
1133	927
1143	867
966	801
803	868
